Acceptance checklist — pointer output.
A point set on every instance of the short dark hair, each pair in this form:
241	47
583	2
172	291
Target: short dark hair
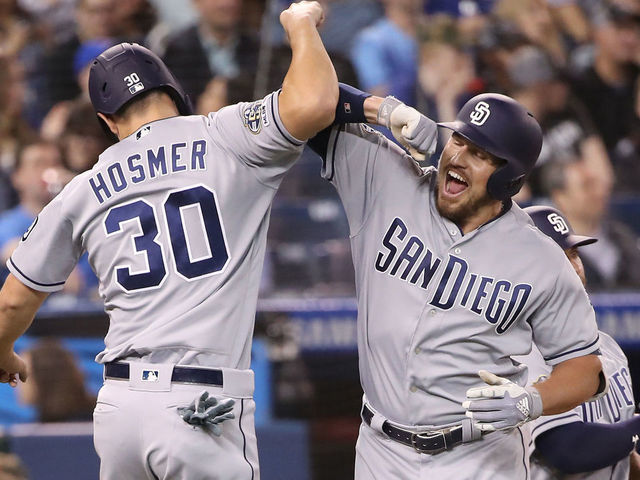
140	102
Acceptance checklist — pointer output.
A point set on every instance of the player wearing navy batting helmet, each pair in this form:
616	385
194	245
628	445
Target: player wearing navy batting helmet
453	280
174	218
502	127
595	440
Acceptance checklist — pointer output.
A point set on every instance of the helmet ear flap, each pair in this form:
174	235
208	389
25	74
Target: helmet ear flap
506	181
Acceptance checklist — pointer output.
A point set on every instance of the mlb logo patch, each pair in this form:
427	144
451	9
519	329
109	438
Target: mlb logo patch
143	131
150	375
136	88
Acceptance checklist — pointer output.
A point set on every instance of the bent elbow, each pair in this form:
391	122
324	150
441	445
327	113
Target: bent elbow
323	110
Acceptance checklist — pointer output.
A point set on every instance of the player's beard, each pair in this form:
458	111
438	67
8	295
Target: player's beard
460	212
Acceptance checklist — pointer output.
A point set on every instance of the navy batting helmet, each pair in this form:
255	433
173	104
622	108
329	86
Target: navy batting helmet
127	70
554	224
501	126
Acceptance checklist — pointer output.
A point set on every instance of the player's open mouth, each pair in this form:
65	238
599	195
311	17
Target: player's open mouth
454	183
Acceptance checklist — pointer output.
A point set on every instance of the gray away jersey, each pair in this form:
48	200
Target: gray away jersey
434	307
616	406
174	219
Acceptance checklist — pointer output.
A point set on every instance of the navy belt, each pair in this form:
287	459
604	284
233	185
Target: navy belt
203	376
432	441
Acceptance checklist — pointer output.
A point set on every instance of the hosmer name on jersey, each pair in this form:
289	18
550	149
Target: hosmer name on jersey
406	257
152	163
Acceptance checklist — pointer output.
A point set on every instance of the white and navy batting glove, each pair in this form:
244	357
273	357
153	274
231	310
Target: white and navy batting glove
206	410
414	131
502	404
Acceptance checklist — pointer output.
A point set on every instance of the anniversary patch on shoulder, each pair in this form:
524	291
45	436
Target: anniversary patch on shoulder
252	117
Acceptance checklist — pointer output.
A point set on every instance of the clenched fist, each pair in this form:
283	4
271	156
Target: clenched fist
302	11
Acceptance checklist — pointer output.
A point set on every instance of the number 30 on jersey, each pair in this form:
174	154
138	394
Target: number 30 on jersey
146	243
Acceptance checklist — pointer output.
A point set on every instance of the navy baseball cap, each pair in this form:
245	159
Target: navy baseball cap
555	225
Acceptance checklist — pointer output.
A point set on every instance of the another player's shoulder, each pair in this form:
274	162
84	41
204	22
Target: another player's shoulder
611	349
526	235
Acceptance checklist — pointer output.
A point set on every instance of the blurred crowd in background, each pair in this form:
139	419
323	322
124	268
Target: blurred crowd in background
573	63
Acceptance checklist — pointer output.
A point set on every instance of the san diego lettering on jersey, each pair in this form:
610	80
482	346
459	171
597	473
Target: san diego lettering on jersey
147	165
406	257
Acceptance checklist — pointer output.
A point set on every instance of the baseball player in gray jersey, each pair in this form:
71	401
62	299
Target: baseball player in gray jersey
174	218
594	440
453	280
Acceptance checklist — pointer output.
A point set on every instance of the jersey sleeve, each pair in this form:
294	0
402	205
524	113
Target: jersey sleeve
46	254
359	161
255	134
564	327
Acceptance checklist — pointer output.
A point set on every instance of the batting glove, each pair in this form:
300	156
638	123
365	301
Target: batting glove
414	131
501	405
206	410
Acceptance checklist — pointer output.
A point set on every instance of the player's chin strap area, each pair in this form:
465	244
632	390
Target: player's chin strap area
429	441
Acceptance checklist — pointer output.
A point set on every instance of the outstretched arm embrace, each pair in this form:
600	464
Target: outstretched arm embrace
502	404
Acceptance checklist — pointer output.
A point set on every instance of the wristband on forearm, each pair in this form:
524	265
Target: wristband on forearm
387	106
350	108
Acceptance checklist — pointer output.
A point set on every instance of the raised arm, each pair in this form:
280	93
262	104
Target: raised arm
414	131
309	94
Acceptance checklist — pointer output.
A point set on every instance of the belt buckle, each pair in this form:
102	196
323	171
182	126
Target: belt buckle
428	436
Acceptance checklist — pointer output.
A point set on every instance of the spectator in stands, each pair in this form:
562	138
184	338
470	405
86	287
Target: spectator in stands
446	71
95	19
13	129
607	87
15	27
222	91
135	19
33	191
614	262
38	176
213	47
11	467
626	156
471	16
572	20
56	385
82	138
532	18
54	18
60	115
345	19
567	128
385	55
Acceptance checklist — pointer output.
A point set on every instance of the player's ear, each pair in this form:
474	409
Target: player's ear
110	123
